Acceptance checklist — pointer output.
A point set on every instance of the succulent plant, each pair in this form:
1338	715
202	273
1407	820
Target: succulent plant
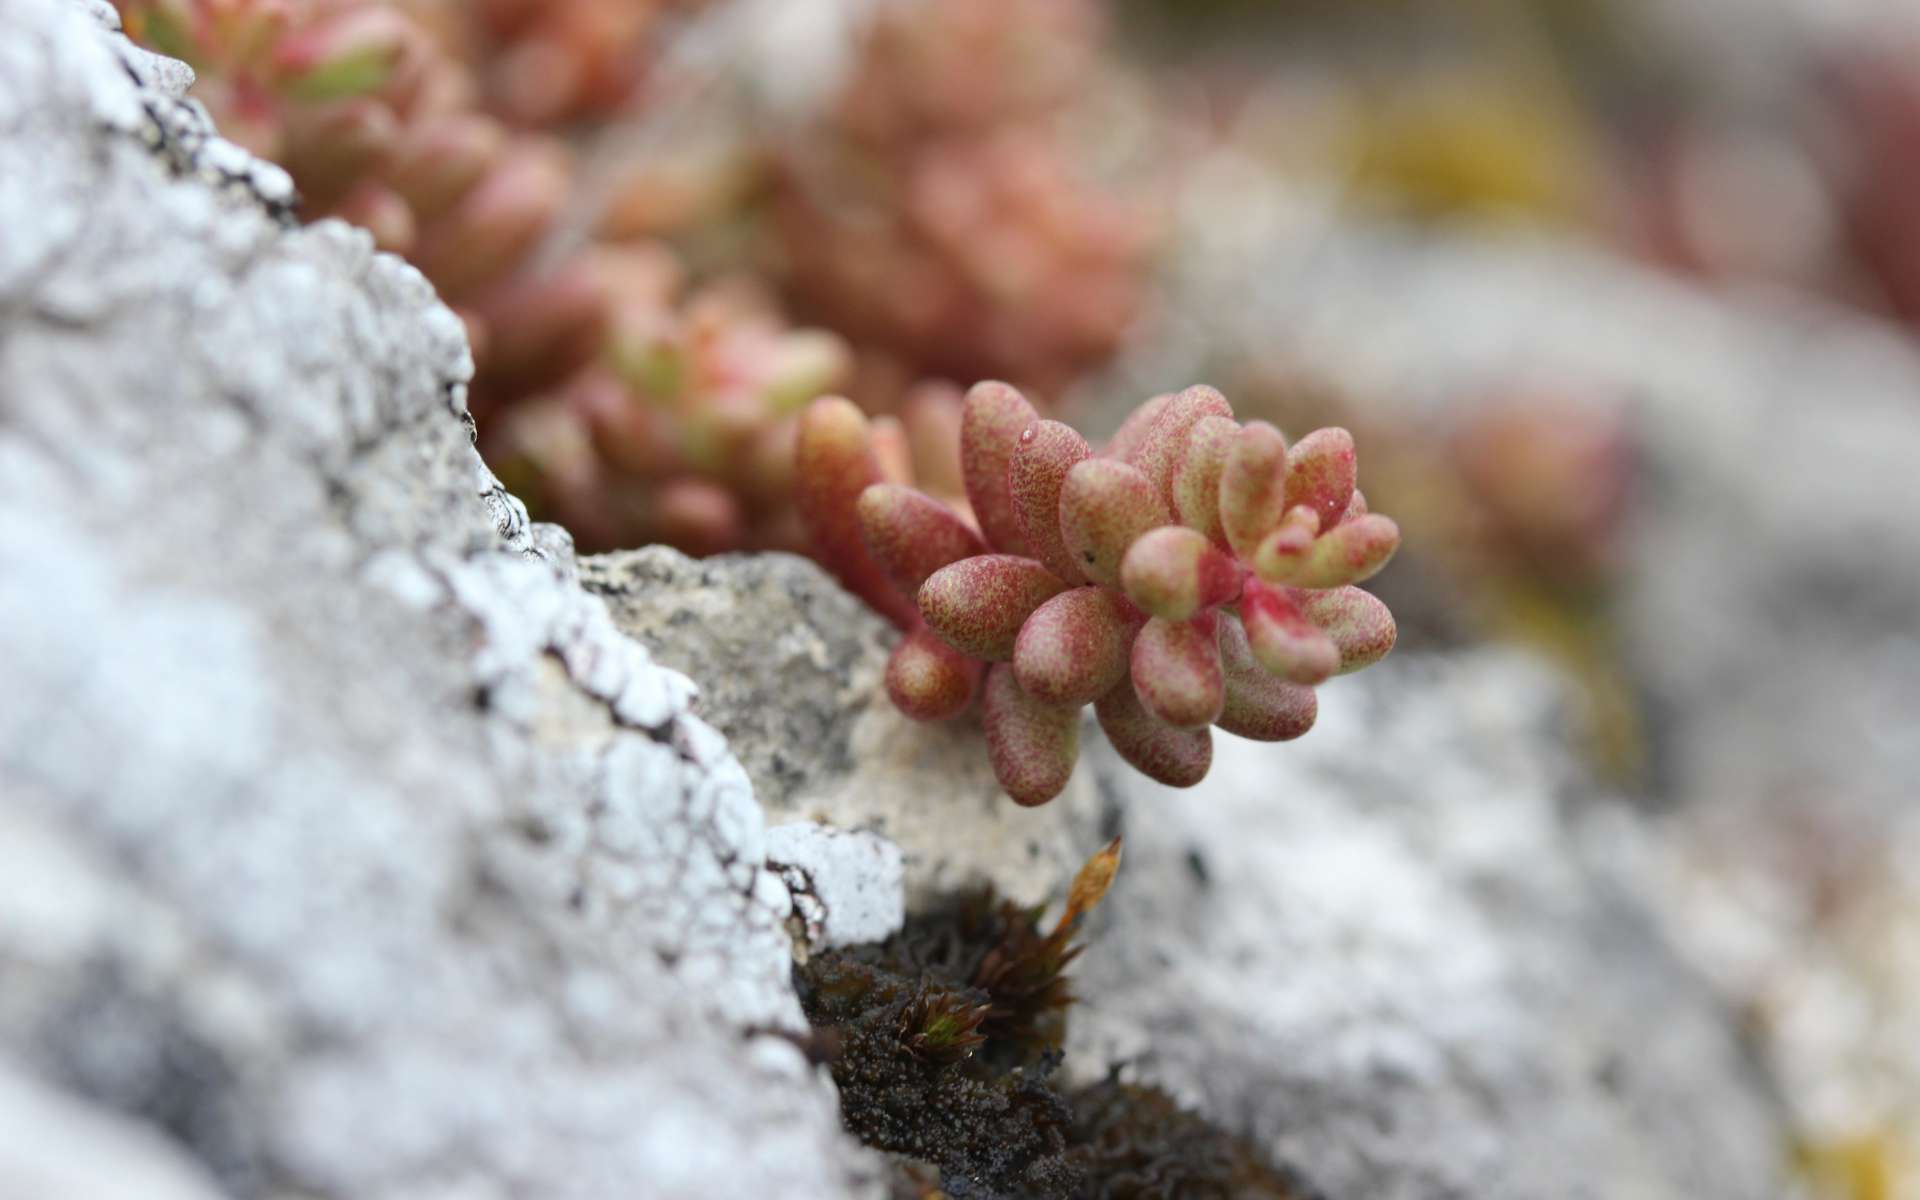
680	429
547	61
1196	572
376	119
942	214
614	400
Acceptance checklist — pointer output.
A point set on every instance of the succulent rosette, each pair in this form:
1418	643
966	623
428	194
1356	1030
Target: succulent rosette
1197	572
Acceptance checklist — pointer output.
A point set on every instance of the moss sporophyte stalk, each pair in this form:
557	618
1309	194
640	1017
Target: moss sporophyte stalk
945	1042
1195	572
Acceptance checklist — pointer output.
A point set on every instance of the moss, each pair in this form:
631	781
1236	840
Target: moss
945	1040
1136	1143
913	1080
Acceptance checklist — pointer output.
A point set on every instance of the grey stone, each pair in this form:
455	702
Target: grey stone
344	840
1383	952
830	748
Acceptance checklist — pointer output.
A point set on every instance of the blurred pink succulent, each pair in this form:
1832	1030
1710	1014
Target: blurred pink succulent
943	214
680	428
1196	572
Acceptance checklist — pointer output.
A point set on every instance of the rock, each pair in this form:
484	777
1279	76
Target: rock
54	1145
1766	608
346	842
832	749
847	886
1383	953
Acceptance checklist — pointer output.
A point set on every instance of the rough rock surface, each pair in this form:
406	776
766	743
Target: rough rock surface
342	838
832	749
1382	950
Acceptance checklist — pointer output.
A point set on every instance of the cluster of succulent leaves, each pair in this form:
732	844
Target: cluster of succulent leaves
1196	572
946	1038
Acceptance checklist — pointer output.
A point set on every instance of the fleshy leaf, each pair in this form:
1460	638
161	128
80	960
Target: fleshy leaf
991	422
1075	646
1104	506
979	604
1348	553
1175	757
1176	671
1136	428
929	680
1031	744
1253	486
833	465
931	414
1041	460
1195	486
1281	637
1320	474
1280	554
912	535
1260	706
1358	622
351	55
1174	572
890	449
1164	441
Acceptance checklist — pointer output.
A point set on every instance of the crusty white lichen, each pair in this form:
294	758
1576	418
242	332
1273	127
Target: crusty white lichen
387	865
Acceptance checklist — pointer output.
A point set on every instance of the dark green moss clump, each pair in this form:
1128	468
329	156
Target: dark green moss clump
945	1039
919	1073
1135	1143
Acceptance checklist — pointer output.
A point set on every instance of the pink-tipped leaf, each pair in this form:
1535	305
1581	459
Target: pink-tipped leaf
912	535
1195	486
1253	486
1136	428
1104	506
1047	450
1176	671
929	680
1359	623
991	422
1280	554
1175	572
1076	646
1320	474
833	464
1176	757
1348	553
1260	706
979	604
1282	639
1032	745
1164	441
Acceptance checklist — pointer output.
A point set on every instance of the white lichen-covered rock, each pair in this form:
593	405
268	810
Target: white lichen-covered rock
1381	951
54	1144
343	840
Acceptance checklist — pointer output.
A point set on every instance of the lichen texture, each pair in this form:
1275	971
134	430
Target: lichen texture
346	844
